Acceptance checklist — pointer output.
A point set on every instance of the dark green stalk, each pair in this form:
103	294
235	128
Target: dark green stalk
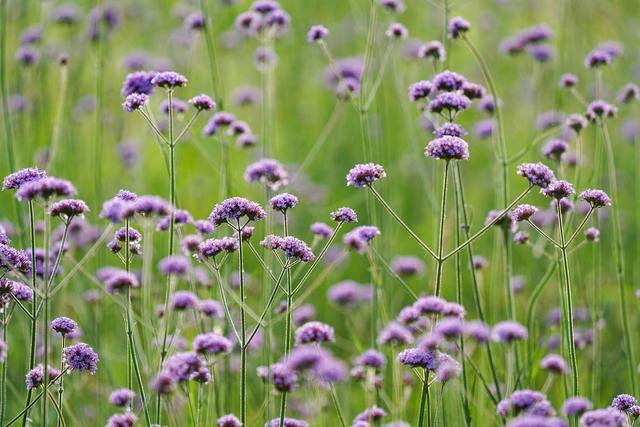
425	402
3	376
61	387
287	336
243	349
34	305
45	320
537	291
443	208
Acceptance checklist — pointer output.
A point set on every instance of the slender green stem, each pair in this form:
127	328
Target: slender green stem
336	405
61	386
619	257
3	365
569	303
33	402
243	336
531	306
402	223
474	278
288	328
580	226
543	234
443	210
45	319
425	403
211	54
34	305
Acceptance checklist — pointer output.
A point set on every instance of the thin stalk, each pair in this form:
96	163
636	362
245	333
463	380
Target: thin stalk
543	234
424	402
288	331
61	387
58	121
33	402
3	376
45	320
34	305
569	303
531	306
619	257
211	54
474	278
443	210
243	336
402	223
336	404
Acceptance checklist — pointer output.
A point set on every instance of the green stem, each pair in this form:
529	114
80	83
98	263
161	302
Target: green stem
34	306
336	404
243	336
443	209
568	302
45	320
61	387
288	328
424	401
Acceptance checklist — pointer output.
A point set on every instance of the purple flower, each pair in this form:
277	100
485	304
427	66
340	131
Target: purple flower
121	397
344	215
268	172
183	300
430	305
629	93
576	406
576	122
523	212
448	81
80	357
15	180
127	419
450	129
212	247
568	80
229	420
449	327
195	21
67	209
349	293
175	264
447	148
314	332
181	366
35	377
554	363
120	279
63	325
373	413
596	198
295	248
211	308
592	234
623	402
396	6
321	230
12	258
536	173
397	31
371	358
477	330
457	27
420	90
608	417
234	209
432	49
600	109
288	422
597	58
134	102
451	102
358	238
555	148
202	102
558	189
211	343
45	188
169	80
406	266
365	174
395	334
138	83
283	379
317	33
283	202
508	331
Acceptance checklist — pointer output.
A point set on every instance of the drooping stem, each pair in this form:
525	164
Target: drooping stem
571	347
443	209
619	256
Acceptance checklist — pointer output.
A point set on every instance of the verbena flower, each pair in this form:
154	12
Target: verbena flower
555	148
576	406
396	6
432	49
134	102
536	173
373	413
283	202
372	359
609	417
600	109
420	90
80	357
349	293
555	364
597	58
450	129
314	332
122	420
447	148
35	377
15	180
67	209
11	258
477	330
397	31
523	212
202	102
211	343
558	189
138	83
365	174
448	81
177	265
344	215
457	27
268	172
63	325
317	33
321	230
169	80
395	334
592	234
624	402
508	331
228	420
122	397
212	247
417	358
568	80
450	102
183	300
596	198
235	208
45	188
288	422
407	266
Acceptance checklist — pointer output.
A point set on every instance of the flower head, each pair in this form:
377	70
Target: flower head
283	202
558	189
211	343
344	215
63	325
314	332
121	397
68	209
234	209
134	102
45	188
169	80
80	357
317	33
457	27
447	148
202	102
508	331
450	102
536	173
576	406
138	82
365	174
15	180
268	172
596	198
523	212
420	90
448	81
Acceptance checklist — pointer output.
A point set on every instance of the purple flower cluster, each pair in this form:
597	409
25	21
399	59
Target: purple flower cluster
365	174
80	357
235	208
268	172
314	332
447	148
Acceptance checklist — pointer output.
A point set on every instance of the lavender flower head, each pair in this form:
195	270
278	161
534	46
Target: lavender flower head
458	27
283	202
314	332
228	420
268	172
122	397
211	343
536	173
80	357
420	90
35	377
450	102
344	215
295	248
317	33
406	266
558	189
212	247
508	331
596	198
365	174
576	406
138	83
608	417
63	325
624	402
67	209
450	129
523	212
183	300
169	80
45	188
202	102
397	31
175	264
15	180
134	102
448	81
555	364
447	148
235	208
